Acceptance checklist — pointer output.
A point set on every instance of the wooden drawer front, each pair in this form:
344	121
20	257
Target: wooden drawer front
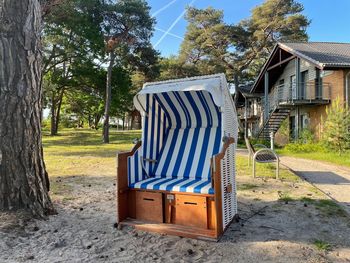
149	206
191	211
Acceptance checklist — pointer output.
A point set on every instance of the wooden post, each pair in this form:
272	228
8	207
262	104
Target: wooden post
122	183
272	143
266	111
245	118
297	78
216	163
297	122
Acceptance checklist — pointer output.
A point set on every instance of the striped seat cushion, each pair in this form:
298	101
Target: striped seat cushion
188	185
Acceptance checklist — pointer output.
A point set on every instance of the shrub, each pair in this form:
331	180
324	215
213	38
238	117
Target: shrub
304	147
306	136
336	134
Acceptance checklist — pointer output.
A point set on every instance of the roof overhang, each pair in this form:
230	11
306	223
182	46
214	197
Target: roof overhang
269	65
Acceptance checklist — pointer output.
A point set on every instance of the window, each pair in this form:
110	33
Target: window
303	84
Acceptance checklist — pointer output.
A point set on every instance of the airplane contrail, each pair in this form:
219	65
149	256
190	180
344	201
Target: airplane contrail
170	34
163	8
172	25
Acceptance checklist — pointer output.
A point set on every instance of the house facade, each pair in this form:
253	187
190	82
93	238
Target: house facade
296	84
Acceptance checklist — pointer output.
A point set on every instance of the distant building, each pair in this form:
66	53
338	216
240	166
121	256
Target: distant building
298	82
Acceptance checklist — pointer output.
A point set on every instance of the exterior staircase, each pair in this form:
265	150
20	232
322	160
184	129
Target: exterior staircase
273	122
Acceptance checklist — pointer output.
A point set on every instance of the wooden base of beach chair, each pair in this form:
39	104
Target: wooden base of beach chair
172	229
175	213
172	213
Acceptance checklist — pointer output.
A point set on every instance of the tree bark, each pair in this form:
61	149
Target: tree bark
53	114
97	120
56	105
24	182
108	97
58	111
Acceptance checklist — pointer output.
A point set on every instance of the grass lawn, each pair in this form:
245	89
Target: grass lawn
263	170
79	152
326	156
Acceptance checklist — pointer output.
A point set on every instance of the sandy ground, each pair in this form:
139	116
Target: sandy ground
271	229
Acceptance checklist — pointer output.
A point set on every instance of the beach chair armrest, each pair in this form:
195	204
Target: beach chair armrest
217	158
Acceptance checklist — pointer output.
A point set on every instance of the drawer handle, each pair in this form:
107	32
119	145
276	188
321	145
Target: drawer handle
190	203
148	199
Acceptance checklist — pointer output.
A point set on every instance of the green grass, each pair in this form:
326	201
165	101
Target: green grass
322	245
263	170
78	152
285	197
326	156
245	187
326	207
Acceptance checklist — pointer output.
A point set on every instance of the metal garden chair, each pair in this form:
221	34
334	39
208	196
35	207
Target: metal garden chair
263	155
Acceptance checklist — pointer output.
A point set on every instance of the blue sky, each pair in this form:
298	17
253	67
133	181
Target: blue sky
330	19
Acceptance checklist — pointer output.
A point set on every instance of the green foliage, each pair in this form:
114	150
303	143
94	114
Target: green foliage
240	49
285	197
336	133
129	24
330	208
247	186
284	128
172	68
74	44
304	147
306	136
255	141
322	245
263	169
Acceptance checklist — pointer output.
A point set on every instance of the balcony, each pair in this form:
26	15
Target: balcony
308	93
251	114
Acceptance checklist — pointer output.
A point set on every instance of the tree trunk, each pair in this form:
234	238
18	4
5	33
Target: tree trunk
236	82
56	104
53	114
24	182
58	111
97	120
108	97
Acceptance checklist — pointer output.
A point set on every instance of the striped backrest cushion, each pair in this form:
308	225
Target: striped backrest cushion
193	136
182	131
187	152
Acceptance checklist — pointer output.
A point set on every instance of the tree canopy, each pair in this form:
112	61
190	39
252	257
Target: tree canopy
240	49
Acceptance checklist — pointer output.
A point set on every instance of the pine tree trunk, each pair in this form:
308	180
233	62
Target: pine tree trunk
108	97
58	111
23	178
53	114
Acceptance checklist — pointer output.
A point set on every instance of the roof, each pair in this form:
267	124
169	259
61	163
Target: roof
324	54
216	85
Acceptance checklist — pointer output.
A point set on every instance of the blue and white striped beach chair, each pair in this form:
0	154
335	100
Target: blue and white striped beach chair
184	166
